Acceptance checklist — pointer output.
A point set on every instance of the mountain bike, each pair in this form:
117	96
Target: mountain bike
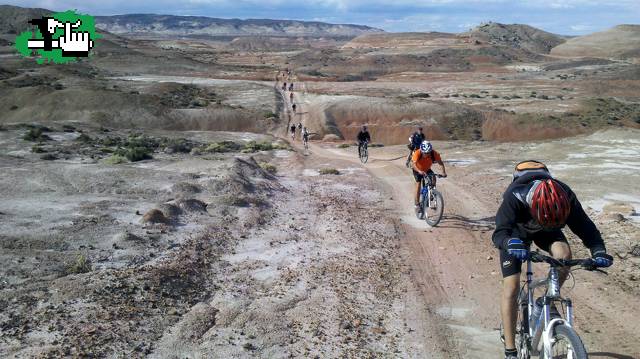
305	141
540	329
363	152
431	205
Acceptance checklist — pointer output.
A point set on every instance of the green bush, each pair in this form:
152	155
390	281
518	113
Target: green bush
135	154
115	160
36	135
376	145
138	141
38	149
223	146
111	141
329	171
419	95
84	138
178	145
81	265
253	146
344	145
474	95
269	114
269	167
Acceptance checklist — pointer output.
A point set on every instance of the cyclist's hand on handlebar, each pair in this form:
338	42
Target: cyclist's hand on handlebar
444	175
602	259
517	248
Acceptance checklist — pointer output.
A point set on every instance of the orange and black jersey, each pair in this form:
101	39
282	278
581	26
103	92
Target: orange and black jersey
514	218
423	162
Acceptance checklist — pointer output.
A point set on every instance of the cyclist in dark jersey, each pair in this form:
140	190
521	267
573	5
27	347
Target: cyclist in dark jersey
293	131
535	207
363	138
414	143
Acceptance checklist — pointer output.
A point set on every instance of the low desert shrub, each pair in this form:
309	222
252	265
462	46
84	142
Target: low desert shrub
36	135
115	160
269	167
328	171
80	265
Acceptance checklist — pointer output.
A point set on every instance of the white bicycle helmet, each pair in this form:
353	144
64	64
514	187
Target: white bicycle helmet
425	147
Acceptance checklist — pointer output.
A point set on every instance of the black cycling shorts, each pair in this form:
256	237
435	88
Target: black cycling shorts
511	265
418	177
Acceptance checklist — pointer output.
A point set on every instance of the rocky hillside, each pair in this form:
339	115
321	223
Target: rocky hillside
622	41
169	25
516	36
14	19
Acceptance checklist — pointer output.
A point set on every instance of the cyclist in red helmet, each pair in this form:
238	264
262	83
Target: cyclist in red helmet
534	208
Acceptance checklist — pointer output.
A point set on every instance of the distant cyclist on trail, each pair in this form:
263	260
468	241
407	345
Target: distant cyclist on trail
305	134
293	131
291	97
363	138
414	143
535	207
291	87
421	162
293	107
284	86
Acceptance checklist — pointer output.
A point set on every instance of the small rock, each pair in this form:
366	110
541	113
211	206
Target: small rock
489	258
154	216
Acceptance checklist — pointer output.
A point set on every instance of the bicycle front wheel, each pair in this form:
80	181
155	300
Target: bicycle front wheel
364	155
434	208
566	344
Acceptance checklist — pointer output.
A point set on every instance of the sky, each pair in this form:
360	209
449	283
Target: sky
568	17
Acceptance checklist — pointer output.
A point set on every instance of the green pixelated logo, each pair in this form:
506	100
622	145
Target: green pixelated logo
60	38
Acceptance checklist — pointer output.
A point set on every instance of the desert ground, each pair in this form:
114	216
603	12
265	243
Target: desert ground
154	205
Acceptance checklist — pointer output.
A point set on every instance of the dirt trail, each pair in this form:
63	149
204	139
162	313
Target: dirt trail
456	268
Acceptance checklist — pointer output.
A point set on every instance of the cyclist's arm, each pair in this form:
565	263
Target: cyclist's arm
444	170
580	224
506	220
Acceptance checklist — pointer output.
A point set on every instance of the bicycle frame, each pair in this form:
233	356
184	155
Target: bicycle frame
427	185
541	328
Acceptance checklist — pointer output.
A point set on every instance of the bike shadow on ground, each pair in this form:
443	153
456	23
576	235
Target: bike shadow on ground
462	222
609	355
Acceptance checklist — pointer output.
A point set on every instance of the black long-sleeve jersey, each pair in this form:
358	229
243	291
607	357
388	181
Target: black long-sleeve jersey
364	136
514	218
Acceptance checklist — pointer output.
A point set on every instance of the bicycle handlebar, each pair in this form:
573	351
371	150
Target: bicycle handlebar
587	263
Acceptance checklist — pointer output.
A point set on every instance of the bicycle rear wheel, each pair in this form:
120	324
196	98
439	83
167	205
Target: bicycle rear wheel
433	209
566	344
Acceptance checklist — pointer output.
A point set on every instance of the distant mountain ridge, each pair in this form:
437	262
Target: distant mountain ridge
170	25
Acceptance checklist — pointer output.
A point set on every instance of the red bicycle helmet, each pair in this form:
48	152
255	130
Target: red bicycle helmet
549	203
